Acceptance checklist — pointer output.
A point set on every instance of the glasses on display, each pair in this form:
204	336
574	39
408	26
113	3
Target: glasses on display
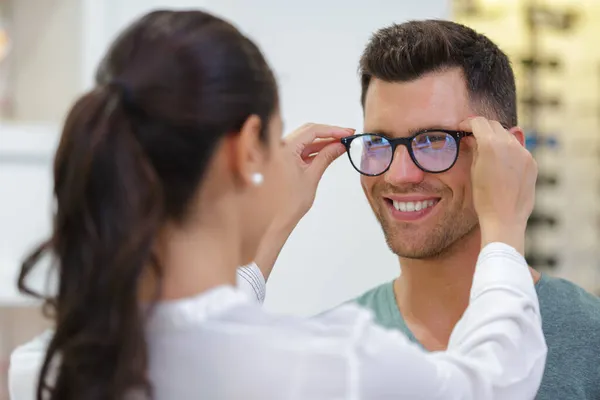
4	62
432	150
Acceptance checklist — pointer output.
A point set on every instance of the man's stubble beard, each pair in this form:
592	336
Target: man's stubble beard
444	236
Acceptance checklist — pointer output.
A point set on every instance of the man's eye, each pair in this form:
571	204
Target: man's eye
375	142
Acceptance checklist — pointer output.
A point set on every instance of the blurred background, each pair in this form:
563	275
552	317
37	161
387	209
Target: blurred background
49	50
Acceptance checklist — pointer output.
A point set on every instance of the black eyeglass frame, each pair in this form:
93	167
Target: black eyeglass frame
407	142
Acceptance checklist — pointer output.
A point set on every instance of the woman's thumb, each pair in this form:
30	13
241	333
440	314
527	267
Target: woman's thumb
324	159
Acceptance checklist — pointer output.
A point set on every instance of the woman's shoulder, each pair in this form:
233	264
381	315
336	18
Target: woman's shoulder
246	325
342	321
229	312
25	363
32	349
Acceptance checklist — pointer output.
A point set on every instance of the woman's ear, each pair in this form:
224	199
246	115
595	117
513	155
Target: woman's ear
519	134
249	151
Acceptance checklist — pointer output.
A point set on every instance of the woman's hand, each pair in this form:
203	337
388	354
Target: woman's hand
311	149
503	178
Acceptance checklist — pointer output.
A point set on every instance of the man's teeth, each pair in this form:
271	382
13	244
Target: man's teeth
413	205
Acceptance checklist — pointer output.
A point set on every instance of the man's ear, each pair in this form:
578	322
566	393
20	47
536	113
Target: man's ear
249	151
519	134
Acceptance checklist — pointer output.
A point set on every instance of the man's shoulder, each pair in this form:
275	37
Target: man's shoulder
564	303
372	298
571	325
557	293
381	302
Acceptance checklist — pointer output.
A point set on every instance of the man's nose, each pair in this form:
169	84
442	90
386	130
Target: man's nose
403	170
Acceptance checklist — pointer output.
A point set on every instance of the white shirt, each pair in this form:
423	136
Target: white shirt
223	345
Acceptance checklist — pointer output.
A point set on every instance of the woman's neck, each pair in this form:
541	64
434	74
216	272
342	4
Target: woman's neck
193	261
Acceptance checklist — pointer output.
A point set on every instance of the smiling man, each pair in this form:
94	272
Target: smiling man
420	79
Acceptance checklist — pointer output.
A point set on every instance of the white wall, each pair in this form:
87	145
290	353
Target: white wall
45	57
25	197
338	250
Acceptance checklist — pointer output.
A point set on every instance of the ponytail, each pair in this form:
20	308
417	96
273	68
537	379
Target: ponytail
110	208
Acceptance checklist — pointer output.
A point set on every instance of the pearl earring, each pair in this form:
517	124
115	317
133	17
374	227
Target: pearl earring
257	179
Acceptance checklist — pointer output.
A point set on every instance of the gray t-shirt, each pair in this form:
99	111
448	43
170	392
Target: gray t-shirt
571	325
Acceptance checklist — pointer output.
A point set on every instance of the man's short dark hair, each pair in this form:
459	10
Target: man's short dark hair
405	52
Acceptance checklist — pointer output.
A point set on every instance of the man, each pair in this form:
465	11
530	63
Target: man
419	80
431	75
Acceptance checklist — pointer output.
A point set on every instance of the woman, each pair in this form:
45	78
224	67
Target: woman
168	174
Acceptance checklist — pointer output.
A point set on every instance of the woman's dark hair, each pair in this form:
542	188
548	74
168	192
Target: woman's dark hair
131	158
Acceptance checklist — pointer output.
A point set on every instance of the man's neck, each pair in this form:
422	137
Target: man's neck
433	294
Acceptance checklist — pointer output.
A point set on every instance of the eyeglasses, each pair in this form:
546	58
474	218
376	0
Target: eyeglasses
432	150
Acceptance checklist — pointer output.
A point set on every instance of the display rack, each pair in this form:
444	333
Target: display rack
5	61
559	109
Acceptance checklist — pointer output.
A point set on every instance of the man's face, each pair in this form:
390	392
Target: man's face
446	212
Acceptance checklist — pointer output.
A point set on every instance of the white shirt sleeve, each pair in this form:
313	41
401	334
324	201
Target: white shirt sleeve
252	282
496	351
